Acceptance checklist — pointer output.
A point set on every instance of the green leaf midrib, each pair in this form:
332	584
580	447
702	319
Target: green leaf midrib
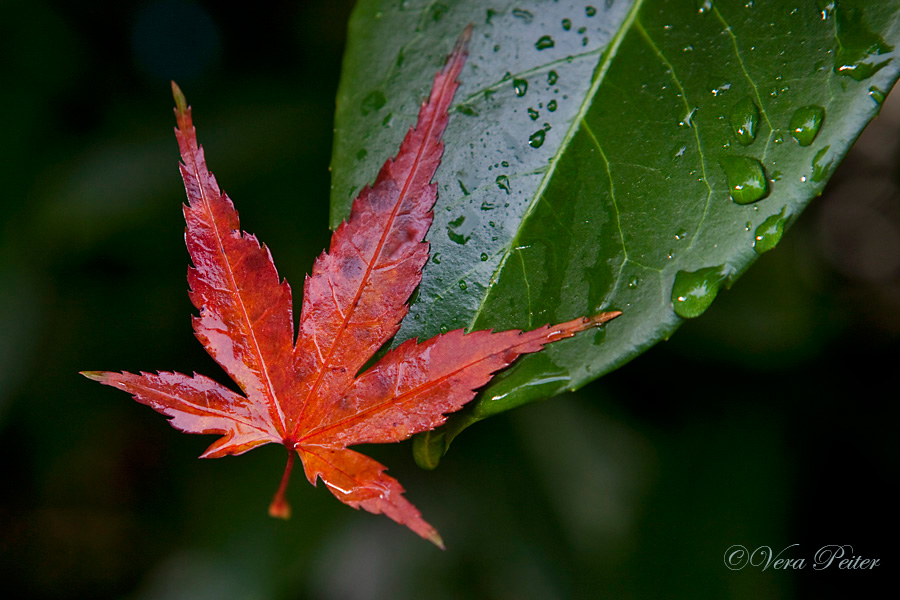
606	60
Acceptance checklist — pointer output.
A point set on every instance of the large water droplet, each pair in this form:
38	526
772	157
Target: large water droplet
806	122
744	118
567	24
820	166
372	102
768	234
551	106
537	138
544	42
462	285
484	256
521	87
552	77
533	114
502	183
859	48
693	292
590	11
746	179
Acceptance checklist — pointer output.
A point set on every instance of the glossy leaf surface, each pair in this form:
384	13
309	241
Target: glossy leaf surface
309	395
621	155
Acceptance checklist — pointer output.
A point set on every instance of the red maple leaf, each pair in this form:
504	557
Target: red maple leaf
309	394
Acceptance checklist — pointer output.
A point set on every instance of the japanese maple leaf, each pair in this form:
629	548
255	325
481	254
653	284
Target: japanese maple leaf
309	394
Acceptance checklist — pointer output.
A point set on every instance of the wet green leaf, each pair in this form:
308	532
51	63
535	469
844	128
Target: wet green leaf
609	175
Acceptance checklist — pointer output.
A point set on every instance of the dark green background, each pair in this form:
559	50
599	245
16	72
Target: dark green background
765	422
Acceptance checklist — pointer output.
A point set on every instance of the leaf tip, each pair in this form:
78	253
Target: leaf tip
464	37
435	538
95	375
180	101
601	318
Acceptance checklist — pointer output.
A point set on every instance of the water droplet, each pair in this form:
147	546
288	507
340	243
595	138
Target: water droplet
744	118
859	46
372	102
544	42
444	329
467	109
704	6
686	122
590	11
768	234
876	95
361	154
455	237
582	30
693	292
462	285
523	14
633	283
502	183
806	122
721	89
533	114
552	77
551	106
436	259
746	179
438	11
820	167
537	138
826	7
487	205
681	234
484	256
521	87
504	163
567	24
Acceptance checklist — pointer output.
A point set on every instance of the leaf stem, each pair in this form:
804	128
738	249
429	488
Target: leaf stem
279	508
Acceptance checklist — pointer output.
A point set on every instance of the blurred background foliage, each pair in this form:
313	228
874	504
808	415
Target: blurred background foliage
765	422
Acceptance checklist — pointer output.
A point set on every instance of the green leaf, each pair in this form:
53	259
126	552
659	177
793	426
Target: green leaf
633	156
